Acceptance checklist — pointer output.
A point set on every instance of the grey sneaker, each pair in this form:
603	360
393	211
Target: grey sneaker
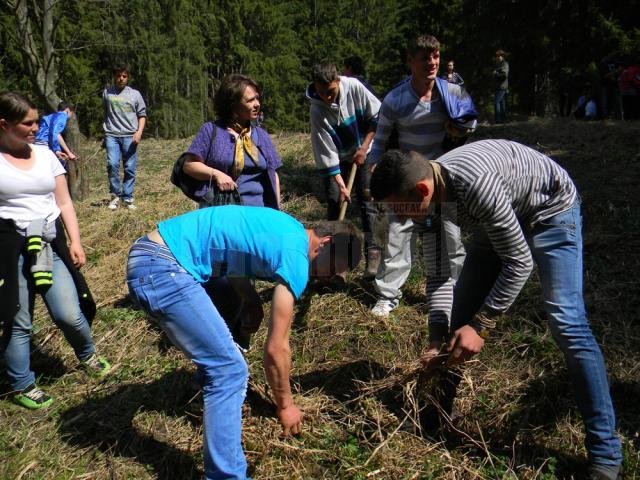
384	307
130	205
114	203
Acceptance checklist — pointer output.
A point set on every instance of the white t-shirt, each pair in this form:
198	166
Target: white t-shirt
27	195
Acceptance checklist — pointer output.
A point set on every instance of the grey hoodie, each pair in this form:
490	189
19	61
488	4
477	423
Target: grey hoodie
337	130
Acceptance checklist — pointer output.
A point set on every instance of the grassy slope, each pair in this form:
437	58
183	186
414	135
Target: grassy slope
519	419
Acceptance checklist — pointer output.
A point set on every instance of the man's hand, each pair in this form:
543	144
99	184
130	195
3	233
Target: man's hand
291	419
137	137
62	156
464	344
344	193
360	156
432	357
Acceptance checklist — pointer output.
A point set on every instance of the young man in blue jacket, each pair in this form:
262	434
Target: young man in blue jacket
428	115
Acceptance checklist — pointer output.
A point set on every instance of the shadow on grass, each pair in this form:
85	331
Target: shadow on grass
106	423
344	383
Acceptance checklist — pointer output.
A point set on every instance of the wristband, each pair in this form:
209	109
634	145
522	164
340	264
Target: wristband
482	324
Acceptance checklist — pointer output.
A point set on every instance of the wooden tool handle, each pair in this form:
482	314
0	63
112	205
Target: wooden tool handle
352	176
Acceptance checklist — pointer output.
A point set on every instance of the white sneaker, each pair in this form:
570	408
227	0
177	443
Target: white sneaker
130	205
384	307
114	203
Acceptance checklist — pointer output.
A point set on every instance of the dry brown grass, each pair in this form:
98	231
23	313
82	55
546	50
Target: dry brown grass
353	374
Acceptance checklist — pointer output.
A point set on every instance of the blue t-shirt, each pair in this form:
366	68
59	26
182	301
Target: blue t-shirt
50	127
255	242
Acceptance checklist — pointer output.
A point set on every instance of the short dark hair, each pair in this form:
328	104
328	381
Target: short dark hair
63	106
119	67
324	73
346	243
355	64
14	106
425	43
229	95
397	174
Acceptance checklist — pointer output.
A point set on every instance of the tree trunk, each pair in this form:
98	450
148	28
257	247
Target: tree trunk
76	169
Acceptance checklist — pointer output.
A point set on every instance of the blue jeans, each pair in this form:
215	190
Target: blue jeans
500	106
185	312
62	302
121	148
556	245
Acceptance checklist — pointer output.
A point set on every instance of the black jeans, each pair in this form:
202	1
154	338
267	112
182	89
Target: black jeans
362	196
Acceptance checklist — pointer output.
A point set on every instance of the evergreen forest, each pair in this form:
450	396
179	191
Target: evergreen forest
179	50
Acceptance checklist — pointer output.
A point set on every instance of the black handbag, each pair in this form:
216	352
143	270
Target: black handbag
207	195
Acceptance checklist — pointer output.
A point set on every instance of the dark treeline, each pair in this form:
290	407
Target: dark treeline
179	50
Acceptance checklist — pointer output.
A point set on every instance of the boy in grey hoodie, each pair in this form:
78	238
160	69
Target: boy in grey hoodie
125	115
344	115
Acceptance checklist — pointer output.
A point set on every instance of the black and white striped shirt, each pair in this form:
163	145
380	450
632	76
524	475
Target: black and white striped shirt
505	187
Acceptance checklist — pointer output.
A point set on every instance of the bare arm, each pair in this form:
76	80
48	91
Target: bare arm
278	189
142	121
195	167
68	214
65	148
277	359
361	153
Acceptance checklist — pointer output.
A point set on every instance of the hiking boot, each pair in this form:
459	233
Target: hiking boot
32	398
384	307
374	255
130	205
114	203
598	471
95	367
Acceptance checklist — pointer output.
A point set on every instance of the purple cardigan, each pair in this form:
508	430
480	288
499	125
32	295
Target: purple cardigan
220	153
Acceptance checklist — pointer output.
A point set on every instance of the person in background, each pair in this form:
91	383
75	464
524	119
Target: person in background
354	67
35	211
630	89
125	116
344	115
166	271
50	133
501	80
451	75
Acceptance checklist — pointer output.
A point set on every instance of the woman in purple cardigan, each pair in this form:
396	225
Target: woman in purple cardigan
231	153
234	153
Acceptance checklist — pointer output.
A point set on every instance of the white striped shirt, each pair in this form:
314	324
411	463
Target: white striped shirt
505	187
420	124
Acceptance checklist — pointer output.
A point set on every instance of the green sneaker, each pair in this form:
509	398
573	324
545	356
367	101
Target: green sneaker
32	398
96	367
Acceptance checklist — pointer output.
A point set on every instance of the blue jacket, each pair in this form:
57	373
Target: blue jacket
460	107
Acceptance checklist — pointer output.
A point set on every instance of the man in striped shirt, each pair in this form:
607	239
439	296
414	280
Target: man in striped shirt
527	209
415	112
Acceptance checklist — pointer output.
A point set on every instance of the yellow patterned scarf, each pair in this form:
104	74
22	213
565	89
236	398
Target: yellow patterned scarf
244	144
